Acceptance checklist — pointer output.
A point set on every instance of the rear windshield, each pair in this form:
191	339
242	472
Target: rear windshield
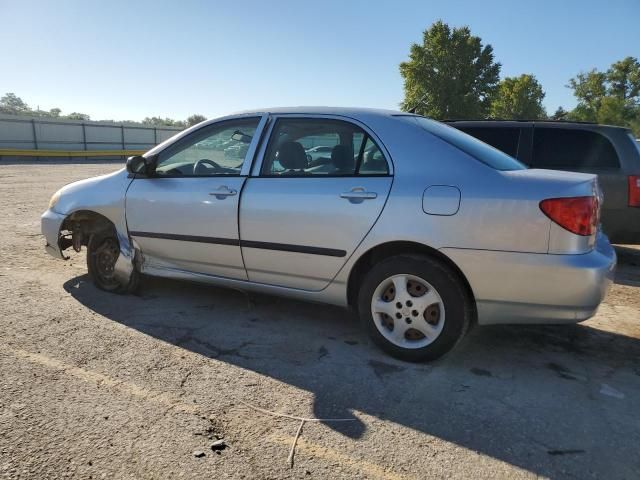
505	139
561	148
479	150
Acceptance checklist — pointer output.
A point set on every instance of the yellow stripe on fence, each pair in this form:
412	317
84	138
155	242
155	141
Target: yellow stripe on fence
10	152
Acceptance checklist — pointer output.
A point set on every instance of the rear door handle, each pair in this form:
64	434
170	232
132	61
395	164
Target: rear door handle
223	192
358	194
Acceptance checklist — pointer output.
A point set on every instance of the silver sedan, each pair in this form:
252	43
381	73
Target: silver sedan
420	228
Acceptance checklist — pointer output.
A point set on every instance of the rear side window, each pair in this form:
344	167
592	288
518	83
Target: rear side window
558	148
505	139
321	147
472	146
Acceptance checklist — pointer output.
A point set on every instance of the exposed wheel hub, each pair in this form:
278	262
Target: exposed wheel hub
106	256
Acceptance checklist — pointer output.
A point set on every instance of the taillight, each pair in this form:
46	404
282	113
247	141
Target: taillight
579	215
634	190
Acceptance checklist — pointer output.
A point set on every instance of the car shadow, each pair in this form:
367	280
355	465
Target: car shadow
628	260
628	255
531	396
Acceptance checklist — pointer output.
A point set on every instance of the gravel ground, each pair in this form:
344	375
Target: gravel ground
96	385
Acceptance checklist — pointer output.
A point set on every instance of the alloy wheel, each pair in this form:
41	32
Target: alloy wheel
408	311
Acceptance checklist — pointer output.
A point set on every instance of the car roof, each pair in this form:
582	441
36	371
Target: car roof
353	112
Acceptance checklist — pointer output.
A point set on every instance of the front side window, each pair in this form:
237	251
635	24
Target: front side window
560	148
212	151
308	147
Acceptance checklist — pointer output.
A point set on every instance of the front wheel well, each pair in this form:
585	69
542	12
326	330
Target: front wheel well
390	249
78	227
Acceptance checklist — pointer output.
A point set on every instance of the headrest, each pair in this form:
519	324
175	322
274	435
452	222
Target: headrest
342	158
292	156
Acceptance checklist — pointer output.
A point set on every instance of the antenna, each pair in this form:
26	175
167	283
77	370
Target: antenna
413	109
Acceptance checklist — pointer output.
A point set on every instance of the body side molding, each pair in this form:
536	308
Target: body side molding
284	247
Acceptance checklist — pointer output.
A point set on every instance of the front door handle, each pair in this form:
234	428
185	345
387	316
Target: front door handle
223	192
358	193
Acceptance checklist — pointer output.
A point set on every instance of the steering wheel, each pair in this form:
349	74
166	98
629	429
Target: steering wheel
197	167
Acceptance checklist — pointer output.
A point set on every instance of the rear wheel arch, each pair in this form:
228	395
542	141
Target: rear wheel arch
391	249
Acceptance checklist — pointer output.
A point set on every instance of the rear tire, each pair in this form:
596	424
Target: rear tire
103	249
414	307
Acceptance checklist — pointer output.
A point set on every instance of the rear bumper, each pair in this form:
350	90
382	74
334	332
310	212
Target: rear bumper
50	223
514	288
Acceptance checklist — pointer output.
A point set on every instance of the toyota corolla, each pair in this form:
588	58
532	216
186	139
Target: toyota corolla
420	228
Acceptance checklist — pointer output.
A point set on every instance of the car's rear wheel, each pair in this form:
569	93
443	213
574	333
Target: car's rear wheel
103	251
414	307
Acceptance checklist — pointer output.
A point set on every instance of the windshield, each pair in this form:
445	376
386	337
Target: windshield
479	150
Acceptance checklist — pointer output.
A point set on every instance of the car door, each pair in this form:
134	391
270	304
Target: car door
301	218
185	215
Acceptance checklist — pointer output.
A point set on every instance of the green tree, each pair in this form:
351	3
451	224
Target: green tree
611	97
560	114
612	111
634	125
624	79
450	74
518	98
588	88
78	116
195	119
152	121
53	113
163	122
11	104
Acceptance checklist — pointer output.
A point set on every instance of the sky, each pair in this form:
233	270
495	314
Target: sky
131	59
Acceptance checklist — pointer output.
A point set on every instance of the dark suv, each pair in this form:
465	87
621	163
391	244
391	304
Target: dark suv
610	152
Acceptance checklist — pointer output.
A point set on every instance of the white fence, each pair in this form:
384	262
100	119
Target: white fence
74	136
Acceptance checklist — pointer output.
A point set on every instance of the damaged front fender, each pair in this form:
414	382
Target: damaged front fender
126	262
62	232
90	206
50	224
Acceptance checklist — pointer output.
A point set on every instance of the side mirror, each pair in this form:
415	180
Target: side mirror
139	165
